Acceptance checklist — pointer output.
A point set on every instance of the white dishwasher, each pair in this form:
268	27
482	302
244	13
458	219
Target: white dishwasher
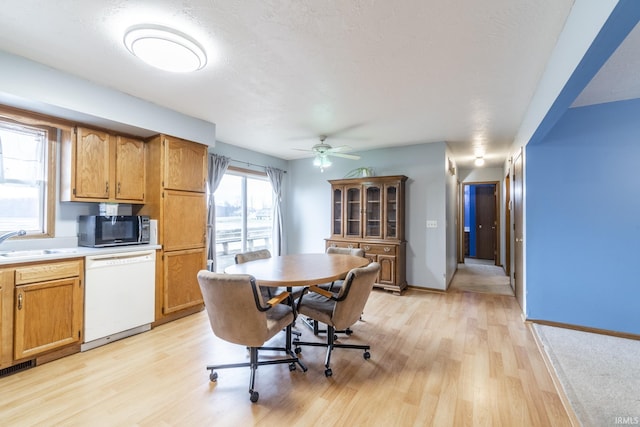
119	296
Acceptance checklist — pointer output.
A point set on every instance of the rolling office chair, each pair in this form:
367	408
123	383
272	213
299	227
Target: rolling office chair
267	292
333	287
338	311
239	315
243	257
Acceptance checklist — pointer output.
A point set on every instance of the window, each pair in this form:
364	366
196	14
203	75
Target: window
244	207
27	171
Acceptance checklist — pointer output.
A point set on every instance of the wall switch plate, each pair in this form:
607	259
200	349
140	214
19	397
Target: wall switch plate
432	223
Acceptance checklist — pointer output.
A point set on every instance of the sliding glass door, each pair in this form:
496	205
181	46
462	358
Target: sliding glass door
244	220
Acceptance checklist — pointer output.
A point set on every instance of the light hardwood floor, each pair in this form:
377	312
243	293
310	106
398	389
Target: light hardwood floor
437	359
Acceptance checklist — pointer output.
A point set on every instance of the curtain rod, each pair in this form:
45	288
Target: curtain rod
250	164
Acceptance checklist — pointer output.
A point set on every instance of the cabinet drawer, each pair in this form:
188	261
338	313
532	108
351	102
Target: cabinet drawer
48	271
370	248
340	244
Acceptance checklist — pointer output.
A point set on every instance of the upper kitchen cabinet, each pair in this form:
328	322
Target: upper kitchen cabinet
99	167
185	165
130	169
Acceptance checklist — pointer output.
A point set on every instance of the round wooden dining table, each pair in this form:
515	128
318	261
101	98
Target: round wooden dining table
298	269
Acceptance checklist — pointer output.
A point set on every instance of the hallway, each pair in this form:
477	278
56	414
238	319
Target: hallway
477	275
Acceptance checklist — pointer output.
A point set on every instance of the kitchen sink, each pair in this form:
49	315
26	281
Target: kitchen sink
34	252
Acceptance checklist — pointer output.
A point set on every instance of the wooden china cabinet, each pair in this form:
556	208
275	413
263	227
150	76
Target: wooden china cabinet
368	213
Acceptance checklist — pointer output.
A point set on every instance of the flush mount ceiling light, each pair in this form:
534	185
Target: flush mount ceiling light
479	161
165	48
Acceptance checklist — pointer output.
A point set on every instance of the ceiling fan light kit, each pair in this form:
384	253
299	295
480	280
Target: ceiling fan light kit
322	152
322	161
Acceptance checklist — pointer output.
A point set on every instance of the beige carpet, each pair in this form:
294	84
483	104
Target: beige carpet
481	276
600	374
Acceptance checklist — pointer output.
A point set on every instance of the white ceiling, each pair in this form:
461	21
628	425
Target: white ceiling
368	74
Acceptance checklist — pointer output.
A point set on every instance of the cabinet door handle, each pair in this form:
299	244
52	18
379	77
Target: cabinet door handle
366	248
106	188
118	190
20	301
387	249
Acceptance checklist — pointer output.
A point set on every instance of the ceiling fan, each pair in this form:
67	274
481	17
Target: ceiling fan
322	152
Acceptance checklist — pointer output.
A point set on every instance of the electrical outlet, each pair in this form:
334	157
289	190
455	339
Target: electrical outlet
432	223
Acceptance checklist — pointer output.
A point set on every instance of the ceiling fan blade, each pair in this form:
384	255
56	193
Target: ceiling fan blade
303	149
340	149
346	156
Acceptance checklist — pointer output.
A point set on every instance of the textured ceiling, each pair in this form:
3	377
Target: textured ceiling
368	74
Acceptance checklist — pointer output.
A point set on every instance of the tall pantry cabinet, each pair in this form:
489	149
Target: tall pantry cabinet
176	197
368	213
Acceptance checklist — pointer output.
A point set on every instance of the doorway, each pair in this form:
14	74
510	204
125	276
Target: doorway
480	221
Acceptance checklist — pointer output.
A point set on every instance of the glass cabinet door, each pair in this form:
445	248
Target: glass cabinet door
391	208
336	212
373	212
352	212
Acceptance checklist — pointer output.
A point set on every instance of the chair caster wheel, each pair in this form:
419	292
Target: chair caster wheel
292	366
297	350
366	355
335	338
348	332
254	396
328	372
213	376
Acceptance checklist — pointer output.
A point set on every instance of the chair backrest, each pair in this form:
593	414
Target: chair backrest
241	258
345	251
356	289
232	303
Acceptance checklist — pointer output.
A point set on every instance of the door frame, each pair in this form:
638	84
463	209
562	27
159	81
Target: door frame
496	185
507	223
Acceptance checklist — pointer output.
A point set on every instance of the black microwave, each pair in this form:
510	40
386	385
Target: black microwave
98	231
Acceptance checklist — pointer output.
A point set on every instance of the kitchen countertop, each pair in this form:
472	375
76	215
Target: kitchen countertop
32	255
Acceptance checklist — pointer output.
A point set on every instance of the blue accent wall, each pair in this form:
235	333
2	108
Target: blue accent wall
583	219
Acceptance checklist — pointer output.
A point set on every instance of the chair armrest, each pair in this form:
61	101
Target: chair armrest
278	298
321	291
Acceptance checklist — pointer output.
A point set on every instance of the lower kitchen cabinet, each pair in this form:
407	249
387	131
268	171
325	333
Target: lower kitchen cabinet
180	283
46	311
48	316
6	317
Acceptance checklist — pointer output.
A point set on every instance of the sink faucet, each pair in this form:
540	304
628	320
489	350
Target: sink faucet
5	236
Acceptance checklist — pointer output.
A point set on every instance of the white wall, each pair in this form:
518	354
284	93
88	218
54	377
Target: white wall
35	87
452	209
309	208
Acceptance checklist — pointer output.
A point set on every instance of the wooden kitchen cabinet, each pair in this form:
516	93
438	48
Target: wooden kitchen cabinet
184	226
185	165
99	167
176	197
180	288
6	317
129	170
368	213
48	307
